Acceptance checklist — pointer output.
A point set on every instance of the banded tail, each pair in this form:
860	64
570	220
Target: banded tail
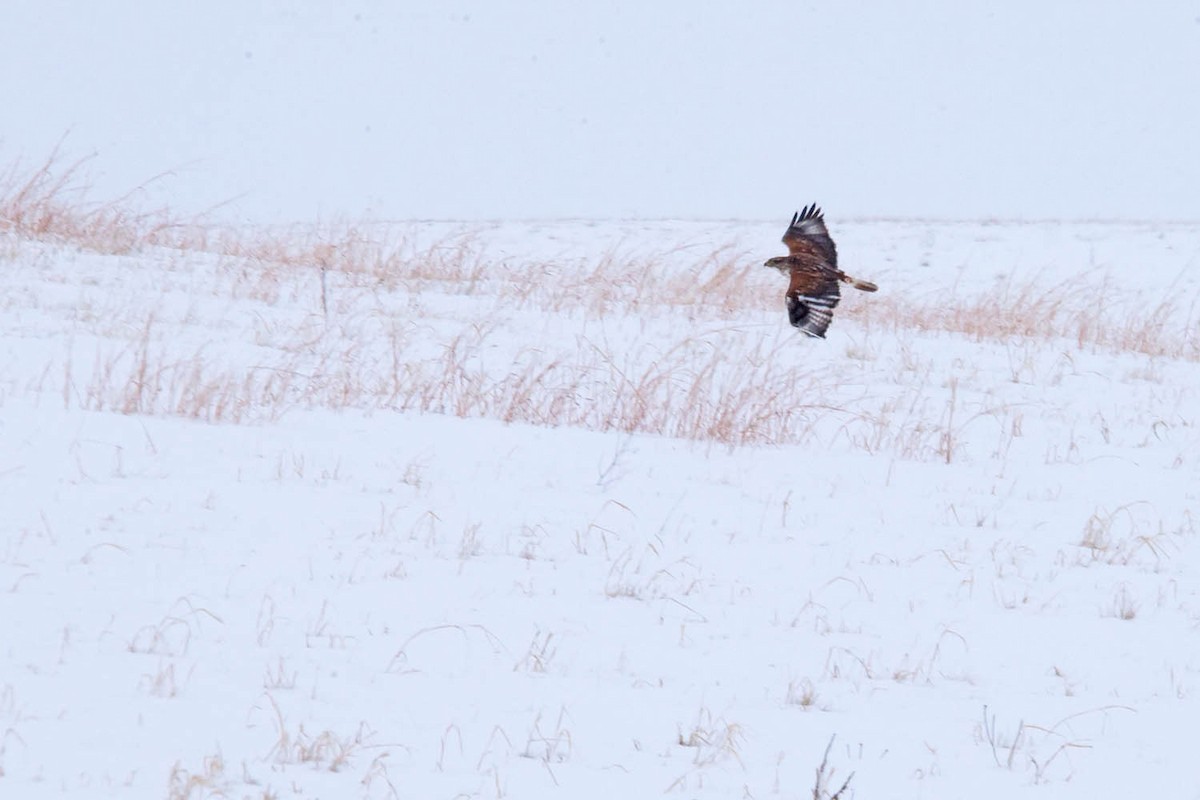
865	286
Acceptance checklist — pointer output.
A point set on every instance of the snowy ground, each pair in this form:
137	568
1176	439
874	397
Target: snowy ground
563	509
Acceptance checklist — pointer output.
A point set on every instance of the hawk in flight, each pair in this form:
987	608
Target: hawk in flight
811	263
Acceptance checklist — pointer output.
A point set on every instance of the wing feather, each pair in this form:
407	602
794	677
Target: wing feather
807	231
811	297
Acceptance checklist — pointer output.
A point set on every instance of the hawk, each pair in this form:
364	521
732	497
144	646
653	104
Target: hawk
812	293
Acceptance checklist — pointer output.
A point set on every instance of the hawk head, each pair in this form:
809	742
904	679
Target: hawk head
781	263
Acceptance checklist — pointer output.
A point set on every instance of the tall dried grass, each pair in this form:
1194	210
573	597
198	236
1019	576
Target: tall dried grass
692	375
1089	315
50	201
693	390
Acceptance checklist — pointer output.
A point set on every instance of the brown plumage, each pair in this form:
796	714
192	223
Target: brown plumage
811	262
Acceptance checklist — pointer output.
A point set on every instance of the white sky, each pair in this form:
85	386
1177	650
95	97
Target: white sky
458	109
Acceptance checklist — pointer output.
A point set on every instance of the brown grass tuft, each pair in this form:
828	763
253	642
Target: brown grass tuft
50	201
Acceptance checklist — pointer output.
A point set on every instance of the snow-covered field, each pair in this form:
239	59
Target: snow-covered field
567	509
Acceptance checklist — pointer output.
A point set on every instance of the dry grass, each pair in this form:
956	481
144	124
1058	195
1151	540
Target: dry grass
822	786
326	750
1129	534
210	781
694	390
1076	311
721	284
686	362
49	202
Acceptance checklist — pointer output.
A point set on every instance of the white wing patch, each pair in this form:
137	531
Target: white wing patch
812	314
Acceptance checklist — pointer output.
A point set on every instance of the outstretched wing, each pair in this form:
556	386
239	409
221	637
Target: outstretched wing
807	235
811	297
